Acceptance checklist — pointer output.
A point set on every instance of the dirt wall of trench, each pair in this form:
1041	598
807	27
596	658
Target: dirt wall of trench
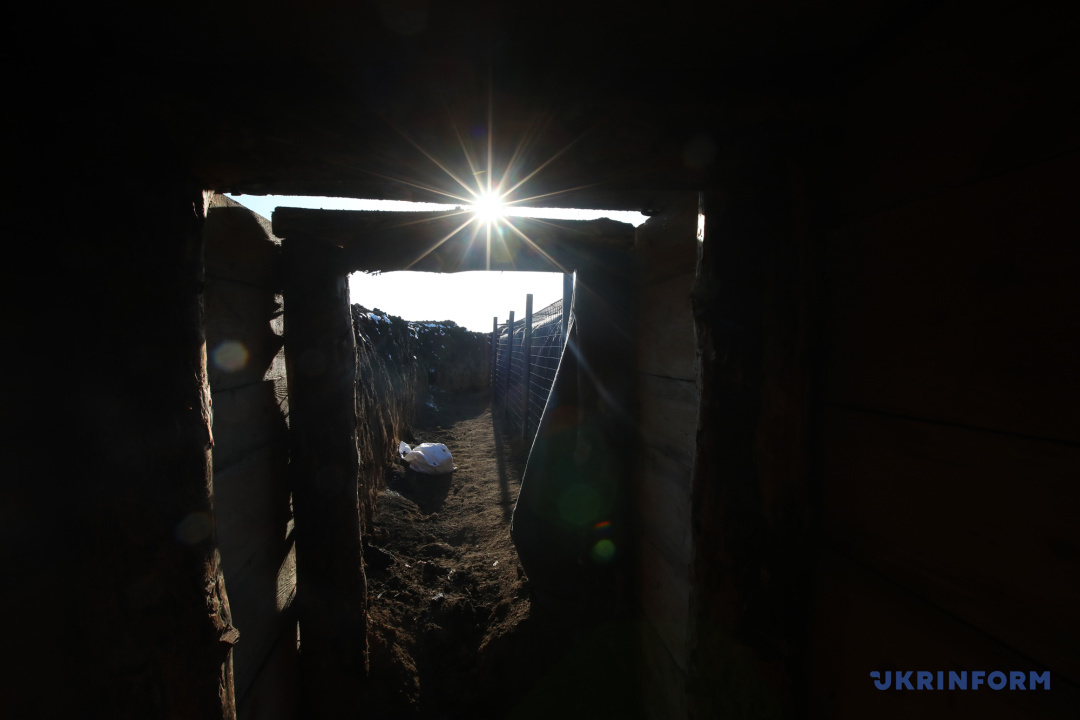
401	367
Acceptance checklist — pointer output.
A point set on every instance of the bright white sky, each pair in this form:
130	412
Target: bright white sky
471	299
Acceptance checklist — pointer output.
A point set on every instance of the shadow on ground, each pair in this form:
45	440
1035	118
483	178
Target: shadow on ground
427	491
455	632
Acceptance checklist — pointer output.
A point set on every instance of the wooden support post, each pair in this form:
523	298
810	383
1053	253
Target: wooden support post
526	364
320	357
112	579
567	301
509	362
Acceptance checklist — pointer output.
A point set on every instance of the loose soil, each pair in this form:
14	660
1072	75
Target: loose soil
454	632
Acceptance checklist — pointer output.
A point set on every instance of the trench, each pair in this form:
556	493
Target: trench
451	626
454	631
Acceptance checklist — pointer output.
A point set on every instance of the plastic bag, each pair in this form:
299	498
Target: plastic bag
428	458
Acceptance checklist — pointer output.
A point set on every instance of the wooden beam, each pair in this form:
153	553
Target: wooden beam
949	473
320	357
450	241
526	353
509	363
969	324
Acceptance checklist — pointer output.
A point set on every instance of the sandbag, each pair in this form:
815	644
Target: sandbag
428	458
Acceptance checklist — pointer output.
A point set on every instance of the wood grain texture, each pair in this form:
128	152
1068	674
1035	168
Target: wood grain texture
864	623
667	345
664	593
324	472
247	418
663	506
443	241
666	247
251	507
113	585
250	425
259	614
981	524
669	415
941	113
663	682
275	693
241	247
961	308
754	303
666	244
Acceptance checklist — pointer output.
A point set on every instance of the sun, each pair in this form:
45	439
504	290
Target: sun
488	207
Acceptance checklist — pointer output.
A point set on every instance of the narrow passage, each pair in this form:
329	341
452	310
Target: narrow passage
454	633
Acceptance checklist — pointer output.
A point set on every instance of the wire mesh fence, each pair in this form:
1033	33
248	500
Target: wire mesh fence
524	360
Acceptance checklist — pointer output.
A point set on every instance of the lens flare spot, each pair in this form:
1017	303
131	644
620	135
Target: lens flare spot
231	356
193	529
603	552
579	505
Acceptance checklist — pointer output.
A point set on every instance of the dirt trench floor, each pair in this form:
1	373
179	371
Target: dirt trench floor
454	631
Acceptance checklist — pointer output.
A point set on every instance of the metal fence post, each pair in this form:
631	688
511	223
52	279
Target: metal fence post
509	361
526	362
567	301
493	364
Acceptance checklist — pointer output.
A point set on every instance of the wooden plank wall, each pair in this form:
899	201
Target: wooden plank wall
667	372
950	439
250	424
